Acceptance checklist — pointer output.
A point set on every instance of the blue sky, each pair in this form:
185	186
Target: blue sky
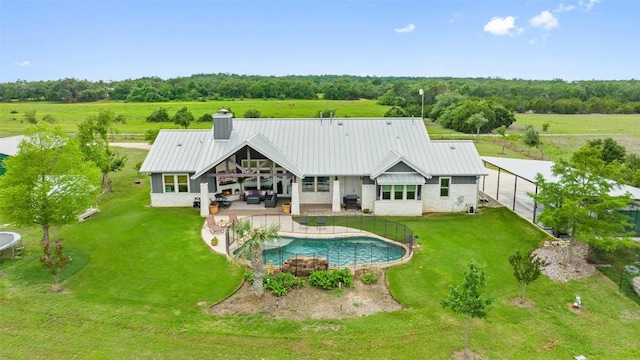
116	40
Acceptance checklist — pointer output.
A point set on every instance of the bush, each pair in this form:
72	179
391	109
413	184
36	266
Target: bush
331	279
248	277
281	283
370	278
252	113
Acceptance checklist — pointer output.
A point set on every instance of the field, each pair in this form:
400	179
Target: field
141	279
565	134
69	115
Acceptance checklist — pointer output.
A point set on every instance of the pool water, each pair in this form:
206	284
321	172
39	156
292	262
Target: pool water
338	251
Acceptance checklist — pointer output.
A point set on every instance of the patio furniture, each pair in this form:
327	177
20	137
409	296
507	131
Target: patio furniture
304	221
233	218
255	196
350	201
213	225
271	201
321	221
222	201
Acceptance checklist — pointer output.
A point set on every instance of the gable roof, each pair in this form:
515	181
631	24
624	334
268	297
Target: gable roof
315	147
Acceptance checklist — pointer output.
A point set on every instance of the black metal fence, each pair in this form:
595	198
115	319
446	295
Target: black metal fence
337	253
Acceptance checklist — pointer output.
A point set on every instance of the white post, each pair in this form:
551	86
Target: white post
295	198
204	199
335	204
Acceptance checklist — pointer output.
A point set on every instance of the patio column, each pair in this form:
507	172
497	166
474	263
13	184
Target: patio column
335	204
295	198
204	199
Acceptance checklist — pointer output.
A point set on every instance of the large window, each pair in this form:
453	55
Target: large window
398	192
323	184
444	186
176	183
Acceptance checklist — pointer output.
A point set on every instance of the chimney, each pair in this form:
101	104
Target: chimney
222	125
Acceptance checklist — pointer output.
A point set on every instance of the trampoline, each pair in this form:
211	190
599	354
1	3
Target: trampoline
11	240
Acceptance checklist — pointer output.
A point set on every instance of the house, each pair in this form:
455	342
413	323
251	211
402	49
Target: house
390	164
8	147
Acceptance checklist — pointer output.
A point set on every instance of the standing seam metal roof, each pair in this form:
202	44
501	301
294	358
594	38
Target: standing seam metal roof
338	147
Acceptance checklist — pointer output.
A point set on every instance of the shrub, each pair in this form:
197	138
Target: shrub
331	279
252	113
248	277
370	278
281	283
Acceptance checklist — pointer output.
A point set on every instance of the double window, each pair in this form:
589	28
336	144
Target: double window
313	184
176	183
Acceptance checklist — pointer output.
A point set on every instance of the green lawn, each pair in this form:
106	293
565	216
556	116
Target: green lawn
68	116
141	278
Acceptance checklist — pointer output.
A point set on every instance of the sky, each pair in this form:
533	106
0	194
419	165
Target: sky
114	40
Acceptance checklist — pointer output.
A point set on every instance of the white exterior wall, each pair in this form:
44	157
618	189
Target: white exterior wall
337	200
315	197
368	197
433	202
398	207
173	199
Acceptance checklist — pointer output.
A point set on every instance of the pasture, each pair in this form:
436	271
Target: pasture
141	279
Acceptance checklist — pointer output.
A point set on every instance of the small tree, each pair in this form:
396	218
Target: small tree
159	115
477	120
531	138
579	203
526	269
183	117
252	113
466	299
47	183
253	238
93	135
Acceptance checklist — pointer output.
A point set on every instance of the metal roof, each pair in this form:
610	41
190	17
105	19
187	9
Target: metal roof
9	145
315	147
528	169
398	178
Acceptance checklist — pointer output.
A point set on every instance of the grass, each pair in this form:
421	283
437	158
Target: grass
141	279
68	116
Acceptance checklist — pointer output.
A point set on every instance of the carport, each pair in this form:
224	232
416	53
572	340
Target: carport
503	183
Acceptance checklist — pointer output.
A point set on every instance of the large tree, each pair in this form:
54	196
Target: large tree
580	204
47	183
465	299
252	239
93	135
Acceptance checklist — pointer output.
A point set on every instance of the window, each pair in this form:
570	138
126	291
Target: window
323	184
398	191
411	192
444	186
386	192
308	184
176	183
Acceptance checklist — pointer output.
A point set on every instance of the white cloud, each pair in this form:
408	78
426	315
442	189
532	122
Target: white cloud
501	26
406	29
562	8
589	3
545	20
25	63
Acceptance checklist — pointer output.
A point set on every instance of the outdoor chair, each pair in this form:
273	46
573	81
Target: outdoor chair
233	218
212	225
321	221
304	221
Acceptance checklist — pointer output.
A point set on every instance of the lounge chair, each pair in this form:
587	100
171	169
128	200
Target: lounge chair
233	218
304	221
321	221
213	225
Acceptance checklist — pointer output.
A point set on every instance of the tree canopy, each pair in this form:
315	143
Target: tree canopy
47	183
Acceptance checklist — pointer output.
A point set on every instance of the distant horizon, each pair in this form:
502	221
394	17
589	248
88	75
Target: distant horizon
109	40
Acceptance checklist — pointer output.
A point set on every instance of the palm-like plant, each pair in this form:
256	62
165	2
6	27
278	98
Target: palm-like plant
253	238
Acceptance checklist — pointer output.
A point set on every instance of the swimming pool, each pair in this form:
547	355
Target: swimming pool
340	252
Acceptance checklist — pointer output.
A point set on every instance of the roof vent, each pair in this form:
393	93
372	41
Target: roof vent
388	122
452	147
339	122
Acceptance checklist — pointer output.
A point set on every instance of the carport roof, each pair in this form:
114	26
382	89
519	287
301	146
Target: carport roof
528	169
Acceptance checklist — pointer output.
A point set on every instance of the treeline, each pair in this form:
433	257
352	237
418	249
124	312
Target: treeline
517	95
